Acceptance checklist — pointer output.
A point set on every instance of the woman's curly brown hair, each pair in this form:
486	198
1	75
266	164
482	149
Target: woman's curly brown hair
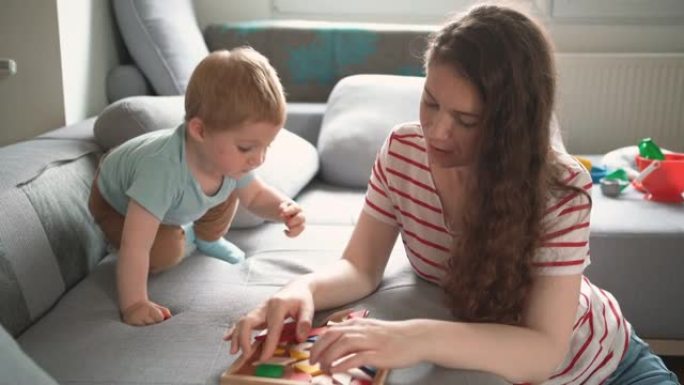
508	58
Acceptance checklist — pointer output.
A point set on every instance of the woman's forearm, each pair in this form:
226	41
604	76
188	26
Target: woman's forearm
339	284
517	354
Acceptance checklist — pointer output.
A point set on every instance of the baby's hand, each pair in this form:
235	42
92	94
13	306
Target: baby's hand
145	313
293	217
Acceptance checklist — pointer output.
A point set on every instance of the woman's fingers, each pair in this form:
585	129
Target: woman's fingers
275	316
305	320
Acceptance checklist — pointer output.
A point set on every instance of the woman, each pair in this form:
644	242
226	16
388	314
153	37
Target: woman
487	209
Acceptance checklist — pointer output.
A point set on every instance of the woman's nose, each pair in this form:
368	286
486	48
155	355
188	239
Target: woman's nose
441	127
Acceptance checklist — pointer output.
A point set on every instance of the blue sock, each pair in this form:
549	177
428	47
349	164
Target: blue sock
221	249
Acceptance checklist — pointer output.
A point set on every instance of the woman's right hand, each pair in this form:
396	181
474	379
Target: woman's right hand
294	300
145	313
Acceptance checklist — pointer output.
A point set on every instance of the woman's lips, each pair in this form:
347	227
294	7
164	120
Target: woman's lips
437	149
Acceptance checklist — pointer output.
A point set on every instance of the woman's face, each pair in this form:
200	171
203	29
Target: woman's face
450	114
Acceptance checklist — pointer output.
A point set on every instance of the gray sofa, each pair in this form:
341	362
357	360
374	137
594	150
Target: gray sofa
58	294
57	281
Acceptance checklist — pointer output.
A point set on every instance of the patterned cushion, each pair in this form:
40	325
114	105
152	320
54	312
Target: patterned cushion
312	56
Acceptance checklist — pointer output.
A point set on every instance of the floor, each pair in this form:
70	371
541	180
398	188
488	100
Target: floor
675	364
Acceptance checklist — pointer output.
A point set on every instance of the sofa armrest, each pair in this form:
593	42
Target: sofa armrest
126	80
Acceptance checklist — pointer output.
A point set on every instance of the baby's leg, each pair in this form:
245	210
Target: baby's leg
107	218
210	229
168	248
169	244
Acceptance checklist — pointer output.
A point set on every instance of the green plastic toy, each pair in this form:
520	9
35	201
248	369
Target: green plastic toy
270	370
614	182
649	150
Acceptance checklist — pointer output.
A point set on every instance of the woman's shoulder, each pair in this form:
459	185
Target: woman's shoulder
403	133
412	129
573	172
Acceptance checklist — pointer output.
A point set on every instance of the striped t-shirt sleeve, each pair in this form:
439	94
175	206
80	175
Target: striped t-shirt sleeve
564	247
378	203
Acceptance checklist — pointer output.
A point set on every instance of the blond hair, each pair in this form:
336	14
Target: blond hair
229	88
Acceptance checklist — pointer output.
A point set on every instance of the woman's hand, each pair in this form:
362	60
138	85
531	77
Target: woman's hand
294	300
357	342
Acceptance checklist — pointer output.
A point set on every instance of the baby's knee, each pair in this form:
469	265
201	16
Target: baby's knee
165	258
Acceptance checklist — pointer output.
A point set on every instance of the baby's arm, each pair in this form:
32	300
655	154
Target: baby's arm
139	231
269	203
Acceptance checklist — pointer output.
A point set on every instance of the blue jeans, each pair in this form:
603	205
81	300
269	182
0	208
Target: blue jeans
640	366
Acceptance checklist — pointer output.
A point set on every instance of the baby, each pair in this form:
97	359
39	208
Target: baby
159	192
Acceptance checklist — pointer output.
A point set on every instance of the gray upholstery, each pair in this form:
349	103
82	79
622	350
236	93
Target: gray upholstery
362	109
16	368
135	116
46	241
82	340
124	81
164	40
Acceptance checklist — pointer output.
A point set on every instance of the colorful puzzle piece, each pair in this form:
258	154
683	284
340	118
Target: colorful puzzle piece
306	367
269	370
289	333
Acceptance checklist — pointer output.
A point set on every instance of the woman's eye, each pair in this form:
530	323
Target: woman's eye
430	104
244	149
467	123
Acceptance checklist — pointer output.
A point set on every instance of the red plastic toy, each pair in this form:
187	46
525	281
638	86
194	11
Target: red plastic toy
666	183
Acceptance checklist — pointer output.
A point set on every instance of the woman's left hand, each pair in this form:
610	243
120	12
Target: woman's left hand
357	342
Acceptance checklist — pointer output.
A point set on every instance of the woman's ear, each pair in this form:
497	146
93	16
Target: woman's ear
196	129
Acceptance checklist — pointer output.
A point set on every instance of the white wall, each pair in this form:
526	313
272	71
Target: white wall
87	37
569	36
30	101
63	50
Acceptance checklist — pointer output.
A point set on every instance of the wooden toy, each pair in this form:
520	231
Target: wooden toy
290	364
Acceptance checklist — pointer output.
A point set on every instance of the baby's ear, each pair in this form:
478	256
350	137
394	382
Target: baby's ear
196	129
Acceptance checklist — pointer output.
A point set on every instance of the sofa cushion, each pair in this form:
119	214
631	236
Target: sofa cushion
124	81
164	40
18	368
136	115
312	56
290	163
362	109
84	341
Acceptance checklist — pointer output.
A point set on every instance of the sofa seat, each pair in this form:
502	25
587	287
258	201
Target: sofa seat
82	340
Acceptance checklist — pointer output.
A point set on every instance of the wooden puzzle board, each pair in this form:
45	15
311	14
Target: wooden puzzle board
296	369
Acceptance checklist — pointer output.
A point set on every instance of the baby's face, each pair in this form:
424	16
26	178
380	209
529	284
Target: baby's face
238	150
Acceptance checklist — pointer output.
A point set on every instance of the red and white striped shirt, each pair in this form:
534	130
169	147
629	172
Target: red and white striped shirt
402	193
